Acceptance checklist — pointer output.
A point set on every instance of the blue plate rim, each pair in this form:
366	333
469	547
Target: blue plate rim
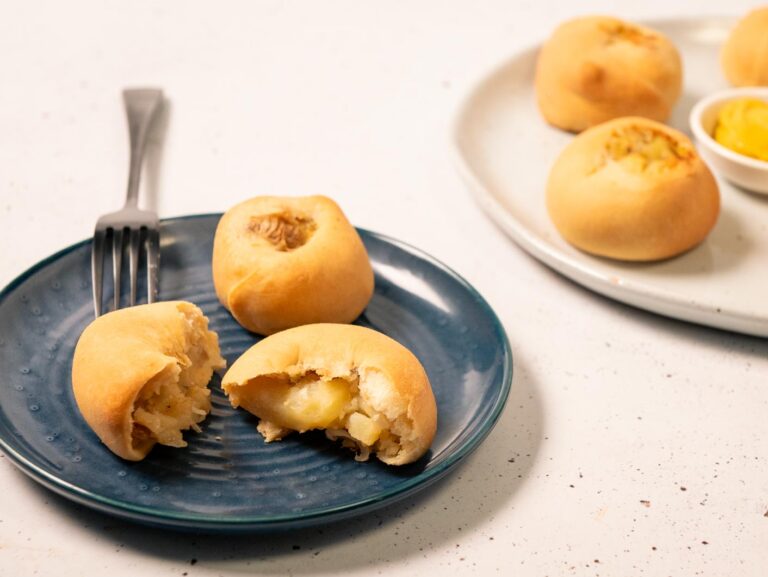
172	519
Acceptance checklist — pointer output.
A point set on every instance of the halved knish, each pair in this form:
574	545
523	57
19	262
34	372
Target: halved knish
355	383
140	375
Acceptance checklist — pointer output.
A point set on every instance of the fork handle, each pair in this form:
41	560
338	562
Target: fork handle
141	106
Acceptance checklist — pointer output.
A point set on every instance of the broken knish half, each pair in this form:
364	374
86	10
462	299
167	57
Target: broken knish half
140	376
356	384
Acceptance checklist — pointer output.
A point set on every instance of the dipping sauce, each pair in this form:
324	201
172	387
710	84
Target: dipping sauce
742	126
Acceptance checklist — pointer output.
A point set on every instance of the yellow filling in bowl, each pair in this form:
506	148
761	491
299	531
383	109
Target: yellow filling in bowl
742	126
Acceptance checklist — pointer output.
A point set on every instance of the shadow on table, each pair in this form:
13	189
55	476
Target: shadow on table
459	504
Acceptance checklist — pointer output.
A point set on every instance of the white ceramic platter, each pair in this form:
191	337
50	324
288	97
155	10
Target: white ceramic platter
504	150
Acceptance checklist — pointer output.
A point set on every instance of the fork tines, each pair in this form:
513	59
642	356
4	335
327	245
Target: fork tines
115	234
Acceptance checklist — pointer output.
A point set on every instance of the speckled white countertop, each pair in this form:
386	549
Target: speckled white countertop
631	444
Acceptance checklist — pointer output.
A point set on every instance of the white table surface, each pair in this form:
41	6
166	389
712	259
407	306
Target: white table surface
610	406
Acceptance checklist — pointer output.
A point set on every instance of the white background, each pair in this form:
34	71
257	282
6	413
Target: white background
610	406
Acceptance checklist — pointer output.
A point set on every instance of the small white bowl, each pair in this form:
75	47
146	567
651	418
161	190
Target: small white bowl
744	171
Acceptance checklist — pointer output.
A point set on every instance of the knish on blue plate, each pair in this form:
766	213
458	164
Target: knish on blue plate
228	479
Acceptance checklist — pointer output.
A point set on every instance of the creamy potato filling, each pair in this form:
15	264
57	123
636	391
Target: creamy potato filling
177	398
639	149
283	230
361	409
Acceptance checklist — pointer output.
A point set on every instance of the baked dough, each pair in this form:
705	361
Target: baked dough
280	262
140	375
357	384
597	68
745	53
632	189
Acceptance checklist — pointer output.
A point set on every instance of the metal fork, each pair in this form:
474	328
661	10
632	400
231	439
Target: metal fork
141	107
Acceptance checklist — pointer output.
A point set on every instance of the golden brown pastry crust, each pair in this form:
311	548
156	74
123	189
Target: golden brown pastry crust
745	53
632	189
596	68
334	350
118	354
280	262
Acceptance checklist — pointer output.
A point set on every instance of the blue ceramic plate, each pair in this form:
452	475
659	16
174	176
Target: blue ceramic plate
228	479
